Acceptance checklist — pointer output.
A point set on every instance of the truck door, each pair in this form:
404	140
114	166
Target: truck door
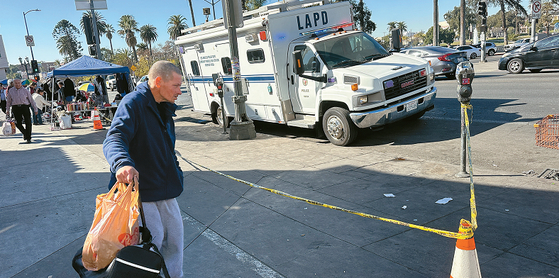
196	83
303	91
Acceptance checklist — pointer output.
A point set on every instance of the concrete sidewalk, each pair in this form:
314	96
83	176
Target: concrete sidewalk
48	189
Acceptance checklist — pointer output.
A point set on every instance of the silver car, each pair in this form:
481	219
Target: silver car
442	59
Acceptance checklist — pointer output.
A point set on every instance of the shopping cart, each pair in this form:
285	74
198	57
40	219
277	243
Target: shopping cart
547	132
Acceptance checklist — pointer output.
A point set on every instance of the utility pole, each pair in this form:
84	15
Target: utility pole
95	32
242	127
462	22
482	11
192	13
436	22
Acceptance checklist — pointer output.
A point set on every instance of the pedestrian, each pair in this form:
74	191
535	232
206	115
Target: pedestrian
3	98
101	89
40	101
32	88
19	99
141	140
69	91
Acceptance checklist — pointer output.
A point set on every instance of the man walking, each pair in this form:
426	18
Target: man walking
141	140
19	100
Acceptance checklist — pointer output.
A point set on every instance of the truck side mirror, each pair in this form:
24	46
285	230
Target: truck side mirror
298	62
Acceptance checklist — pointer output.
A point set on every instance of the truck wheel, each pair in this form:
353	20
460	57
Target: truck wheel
217	118
338	127
515	66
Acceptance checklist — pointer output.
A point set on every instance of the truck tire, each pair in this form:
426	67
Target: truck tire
338	127
218	119
515	66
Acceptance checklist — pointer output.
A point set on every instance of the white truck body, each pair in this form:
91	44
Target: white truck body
369	86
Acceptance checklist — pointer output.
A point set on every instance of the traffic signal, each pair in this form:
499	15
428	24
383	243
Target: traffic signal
92	51
34	67
482	8
88	31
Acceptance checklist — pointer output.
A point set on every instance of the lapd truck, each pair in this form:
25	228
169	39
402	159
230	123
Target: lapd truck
304	64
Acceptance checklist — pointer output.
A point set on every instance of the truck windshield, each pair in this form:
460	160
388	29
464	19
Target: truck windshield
353	49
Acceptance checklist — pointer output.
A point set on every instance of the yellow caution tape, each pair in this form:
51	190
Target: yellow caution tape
473	210
449	234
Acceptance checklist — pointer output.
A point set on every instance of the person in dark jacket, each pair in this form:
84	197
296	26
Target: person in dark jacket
69	91
140	146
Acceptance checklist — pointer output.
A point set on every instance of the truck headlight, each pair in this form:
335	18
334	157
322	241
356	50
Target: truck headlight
431	74
362	100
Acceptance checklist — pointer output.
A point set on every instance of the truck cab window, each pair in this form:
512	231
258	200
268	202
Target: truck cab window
349	50
195	68
310	61
226	65
255	56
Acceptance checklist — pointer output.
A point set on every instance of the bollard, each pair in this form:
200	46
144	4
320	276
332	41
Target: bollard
464	75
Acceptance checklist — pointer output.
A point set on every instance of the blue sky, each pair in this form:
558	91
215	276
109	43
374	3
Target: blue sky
416	13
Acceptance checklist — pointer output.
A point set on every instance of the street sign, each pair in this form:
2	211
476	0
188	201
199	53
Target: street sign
536	9
97	5
133	68
29	40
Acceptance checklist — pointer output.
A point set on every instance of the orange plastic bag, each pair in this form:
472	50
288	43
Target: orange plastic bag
115	225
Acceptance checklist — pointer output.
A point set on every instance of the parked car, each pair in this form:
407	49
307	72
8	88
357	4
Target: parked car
473	52
542	54
490	48
442	59
517	44
111	82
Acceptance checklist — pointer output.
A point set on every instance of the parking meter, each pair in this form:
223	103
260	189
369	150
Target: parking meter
219	86
465	75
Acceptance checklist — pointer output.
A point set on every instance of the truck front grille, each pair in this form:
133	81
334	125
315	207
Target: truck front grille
404	84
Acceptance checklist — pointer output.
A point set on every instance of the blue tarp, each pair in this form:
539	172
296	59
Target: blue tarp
85	66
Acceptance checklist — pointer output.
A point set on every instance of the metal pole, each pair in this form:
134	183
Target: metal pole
533	30
26	29
242	127
463	155
436	23
95	33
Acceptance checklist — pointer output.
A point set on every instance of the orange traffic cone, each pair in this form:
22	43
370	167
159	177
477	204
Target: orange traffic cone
96	120
465	264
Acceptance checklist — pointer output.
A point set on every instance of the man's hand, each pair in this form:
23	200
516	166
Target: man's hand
127	174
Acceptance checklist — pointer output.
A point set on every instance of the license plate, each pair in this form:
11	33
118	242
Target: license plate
411	105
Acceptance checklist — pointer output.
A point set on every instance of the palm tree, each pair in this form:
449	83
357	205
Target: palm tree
128	26
176	23
148	34
391	25
515	4
402	26
101	24
254	4
109	33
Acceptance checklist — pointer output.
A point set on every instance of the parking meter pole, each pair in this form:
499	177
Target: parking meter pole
223	116
464	75
242	127
533	30
463	155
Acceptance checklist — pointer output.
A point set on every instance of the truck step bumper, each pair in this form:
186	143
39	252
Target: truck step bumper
395	112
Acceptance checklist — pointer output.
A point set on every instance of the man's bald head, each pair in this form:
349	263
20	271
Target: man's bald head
164	69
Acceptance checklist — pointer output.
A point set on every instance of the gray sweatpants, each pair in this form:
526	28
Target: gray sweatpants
164	221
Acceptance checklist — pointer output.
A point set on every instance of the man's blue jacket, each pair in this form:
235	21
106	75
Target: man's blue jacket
141	138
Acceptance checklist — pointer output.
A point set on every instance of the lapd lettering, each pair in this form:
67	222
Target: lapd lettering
317	18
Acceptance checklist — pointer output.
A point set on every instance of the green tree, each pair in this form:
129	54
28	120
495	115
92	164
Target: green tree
66	41
391	25
123	57
504	5
402	26
453	18
362	17
254	4
109	33
176	24
101	24
128	28
445	36
148	34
